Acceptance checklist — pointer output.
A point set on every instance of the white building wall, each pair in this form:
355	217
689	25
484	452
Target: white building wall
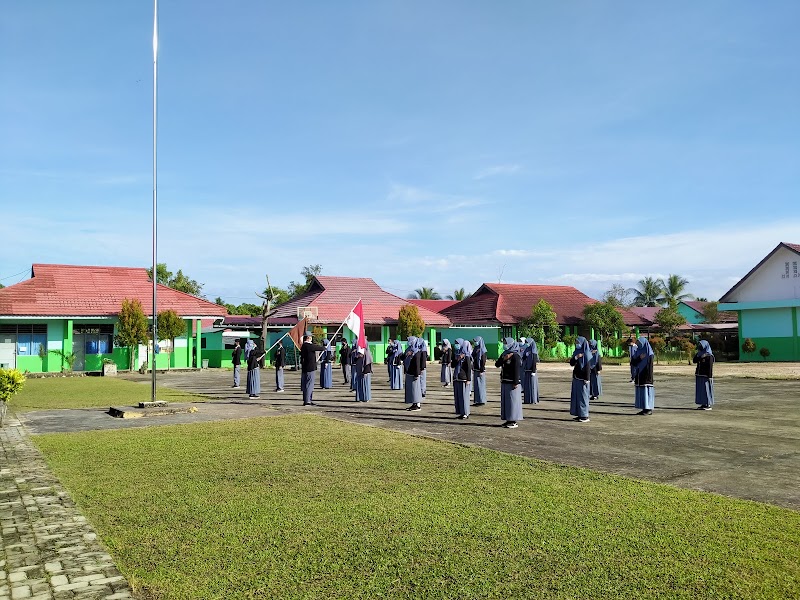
777	279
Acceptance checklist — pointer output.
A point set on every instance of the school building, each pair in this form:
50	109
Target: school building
73	310
329	300
495	311
767	302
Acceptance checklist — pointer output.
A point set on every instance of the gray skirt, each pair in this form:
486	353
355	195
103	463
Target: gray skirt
530	388
461	396
510	402
413	393
595	385
307	385
479	385
645	397
579	398
364	388
447	373
279	378
703	390
254	382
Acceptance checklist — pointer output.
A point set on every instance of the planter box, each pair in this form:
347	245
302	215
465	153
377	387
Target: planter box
109	370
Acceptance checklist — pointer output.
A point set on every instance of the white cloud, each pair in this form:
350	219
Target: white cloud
495	170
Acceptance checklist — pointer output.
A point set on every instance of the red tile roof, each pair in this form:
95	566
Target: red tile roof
434	305
81	291
648	313
335	297
505	303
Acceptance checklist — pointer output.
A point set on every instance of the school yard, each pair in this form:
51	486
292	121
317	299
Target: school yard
308	503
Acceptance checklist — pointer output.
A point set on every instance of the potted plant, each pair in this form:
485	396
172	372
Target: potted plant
11	382
109	367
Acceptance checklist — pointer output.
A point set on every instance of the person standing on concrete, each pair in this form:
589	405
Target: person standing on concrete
510	363
254	364
423	365
280	363
344	358
462	377
704	376
326	368
642	367
411	367
479	371
579	395
236	357
596	364
447	363
308	366
530	385
364	384
396	371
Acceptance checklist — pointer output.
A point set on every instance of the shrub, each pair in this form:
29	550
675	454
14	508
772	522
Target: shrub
409	322
748	346
569	340
317	334
658	344
11	382
764	352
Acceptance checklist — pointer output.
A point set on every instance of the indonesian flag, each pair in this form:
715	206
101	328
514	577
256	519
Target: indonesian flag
355	323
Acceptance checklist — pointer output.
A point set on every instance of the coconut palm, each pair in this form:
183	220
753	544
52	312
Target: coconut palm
673	290
459	295
648	293
425	293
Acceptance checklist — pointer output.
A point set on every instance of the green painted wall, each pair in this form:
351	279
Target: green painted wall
780	349
690	314
758	324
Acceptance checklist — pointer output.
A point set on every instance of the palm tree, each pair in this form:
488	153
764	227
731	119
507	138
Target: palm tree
459	295
648	293
673	289
425	293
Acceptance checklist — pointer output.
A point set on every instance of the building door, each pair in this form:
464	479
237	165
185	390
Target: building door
79	348
8	351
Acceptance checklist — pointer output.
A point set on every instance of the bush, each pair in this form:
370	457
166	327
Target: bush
764	352
317	334
11	382
658	344
409	322
748	346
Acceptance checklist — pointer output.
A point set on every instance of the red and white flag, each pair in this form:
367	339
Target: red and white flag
355	323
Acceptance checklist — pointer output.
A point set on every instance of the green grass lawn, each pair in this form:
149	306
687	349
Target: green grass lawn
307	507
86	392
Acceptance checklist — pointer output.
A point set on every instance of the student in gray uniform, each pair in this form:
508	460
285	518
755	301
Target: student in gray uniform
280	363
411	367
704	376
530	384
579	394
308	366
479	371
596	365
462	377
447	363
510	364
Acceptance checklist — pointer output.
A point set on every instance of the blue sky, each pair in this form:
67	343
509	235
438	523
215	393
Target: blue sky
429	144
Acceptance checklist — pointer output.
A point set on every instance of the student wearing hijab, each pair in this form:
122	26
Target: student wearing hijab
308	364
704	376
396	370
642	366
248	348
353	359
411	367
462	377
510	363
596	365
280	363
326	366
447	362
479	371
423	365
364	385
344	358
254	365
579	395
530	384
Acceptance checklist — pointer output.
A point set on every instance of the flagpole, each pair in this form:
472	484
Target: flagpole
155	195
345	321
279	341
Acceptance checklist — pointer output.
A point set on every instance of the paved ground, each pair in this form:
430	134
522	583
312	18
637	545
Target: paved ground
48	550
748	446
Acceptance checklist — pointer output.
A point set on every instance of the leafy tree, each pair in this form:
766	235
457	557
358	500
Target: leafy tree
618	295
178	281
409	322
542	325
658	344
687	345
749	346
425	293
308	273
711	312
673	291
764	352
170	326
668	321
220	302
276	296
648	292
605	319
131	327
459	295
1	286
317	334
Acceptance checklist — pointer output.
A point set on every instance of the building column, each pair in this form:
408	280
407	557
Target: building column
198	344
189	343
67	344
795	340
431	339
